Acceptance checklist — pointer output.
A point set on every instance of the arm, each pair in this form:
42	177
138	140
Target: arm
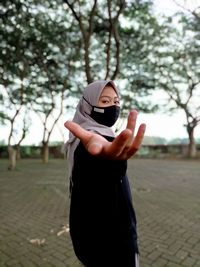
122	147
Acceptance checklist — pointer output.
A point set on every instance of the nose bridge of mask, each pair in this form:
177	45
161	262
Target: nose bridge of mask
100	110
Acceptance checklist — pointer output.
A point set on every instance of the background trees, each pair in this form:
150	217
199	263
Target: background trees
176	70
51	49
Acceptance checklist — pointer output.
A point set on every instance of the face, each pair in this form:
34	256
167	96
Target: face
108	97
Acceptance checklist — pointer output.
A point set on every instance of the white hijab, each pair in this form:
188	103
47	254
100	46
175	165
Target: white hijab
82	116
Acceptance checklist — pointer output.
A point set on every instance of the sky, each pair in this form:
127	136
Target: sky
161	125
165	6
169	7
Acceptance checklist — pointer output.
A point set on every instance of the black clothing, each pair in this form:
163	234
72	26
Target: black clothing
102	218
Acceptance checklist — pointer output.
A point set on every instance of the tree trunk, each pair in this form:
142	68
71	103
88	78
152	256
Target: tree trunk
192	146
45	152
12	158
18	156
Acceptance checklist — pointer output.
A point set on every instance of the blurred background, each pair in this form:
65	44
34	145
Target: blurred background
51	49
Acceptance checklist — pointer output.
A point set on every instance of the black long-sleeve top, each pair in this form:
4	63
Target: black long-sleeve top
102	217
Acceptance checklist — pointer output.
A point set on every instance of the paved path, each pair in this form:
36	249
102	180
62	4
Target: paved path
34	213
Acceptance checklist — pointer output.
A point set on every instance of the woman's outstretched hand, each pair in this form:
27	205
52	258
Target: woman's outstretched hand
125	145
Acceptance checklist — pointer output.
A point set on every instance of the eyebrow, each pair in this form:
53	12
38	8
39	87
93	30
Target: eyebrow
116	97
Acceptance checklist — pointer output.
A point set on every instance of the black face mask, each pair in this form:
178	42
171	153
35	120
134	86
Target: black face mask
105	115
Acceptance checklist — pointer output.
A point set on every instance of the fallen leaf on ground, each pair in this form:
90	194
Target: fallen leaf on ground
37	241
65	229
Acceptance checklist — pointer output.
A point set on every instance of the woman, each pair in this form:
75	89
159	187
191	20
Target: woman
102	218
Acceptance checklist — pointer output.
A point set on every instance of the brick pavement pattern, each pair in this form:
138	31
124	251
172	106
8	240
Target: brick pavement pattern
34	205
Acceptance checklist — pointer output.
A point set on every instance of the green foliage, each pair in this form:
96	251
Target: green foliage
37	59
43	54
139	30
177	68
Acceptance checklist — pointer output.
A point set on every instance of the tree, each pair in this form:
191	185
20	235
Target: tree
37	58
177	71
139	31
51	44
117	36
98	25
13	75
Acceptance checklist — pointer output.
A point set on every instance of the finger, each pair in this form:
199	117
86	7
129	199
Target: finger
131	120
94	147
78	131
132	117
137	141
119	143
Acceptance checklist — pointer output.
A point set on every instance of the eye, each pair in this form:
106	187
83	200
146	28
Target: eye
117	102
105	101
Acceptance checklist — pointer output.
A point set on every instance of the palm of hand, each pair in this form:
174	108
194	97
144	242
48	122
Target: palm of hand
122	147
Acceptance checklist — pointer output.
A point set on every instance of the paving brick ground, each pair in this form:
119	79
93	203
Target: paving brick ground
34	213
